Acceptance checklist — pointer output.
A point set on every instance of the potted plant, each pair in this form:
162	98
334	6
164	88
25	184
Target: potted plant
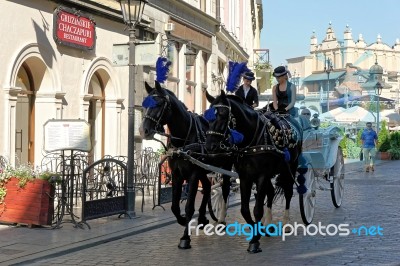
383	142
26	196
394	146
383	149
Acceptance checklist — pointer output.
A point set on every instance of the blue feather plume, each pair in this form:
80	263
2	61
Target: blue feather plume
149	102
236	137
209	114
236	70
162	69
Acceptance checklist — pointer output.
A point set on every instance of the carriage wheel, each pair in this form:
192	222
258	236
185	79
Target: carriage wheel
307	200
337	184
215	203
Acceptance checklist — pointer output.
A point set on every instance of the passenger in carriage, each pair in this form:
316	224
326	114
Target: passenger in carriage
284	93
306	113
304	118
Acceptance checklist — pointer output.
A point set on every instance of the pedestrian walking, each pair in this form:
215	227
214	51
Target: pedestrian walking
369	140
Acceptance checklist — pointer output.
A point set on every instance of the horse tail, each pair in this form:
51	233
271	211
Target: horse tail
280	184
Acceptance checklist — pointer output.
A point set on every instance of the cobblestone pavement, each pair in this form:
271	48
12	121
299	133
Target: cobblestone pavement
371	199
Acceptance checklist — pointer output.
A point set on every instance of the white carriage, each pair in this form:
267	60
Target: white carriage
324	160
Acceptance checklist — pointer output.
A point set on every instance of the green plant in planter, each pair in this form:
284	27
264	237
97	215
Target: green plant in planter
383	137
51	177
385	145
24	173
394	145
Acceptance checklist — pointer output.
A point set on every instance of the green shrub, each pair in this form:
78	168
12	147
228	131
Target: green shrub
385	145
353	150
343	145
358	138
350	149
395	145
383	137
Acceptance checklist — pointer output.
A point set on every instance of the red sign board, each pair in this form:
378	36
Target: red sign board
74	29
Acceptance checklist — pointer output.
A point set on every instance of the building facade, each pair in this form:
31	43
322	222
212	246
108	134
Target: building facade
82	74
351	59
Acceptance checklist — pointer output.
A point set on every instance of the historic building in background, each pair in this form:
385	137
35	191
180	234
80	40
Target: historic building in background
67	60
348	60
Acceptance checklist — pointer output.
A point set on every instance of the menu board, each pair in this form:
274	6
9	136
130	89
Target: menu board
67	135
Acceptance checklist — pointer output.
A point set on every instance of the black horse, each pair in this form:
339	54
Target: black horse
187	134
263	152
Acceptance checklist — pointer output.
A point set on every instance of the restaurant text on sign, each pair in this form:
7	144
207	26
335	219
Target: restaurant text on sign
74	29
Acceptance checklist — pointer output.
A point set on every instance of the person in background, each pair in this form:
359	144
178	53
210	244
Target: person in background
304	119
369	140
247	92
283	93
306	113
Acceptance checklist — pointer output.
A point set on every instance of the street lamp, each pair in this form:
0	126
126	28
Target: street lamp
132	11
190	55
378	92
328	69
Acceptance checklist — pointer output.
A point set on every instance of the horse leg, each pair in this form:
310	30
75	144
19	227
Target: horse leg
245	193
254	245
189	211
288	192
177	183
226	187
268	209
206	184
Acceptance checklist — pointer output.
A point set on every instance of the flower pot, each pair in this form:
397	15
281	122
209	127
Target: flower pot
32	204
384	155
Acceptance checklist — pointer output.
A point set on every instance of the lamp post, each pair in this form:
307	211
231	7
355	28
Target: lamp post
190	55
378	92
297	81
132	11
328	69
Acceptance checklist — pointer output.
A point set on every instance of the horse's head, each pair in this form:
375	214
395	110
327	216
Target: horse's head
220	135
157	109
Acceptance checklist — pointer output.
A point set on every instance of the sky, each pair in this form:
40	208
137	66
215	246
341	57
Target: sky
288	25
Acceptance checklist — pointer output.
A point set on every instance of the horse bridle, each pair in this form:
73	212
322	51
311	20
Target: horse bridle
224	136
232	120
166	106
158	123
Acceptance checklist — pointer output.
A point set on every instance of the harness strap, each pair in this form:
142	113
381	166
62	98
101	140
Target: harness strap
260	149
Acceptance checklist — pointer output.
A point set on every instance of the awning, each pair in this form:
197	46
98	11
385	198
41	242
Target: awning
374	98
323	76
357	100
